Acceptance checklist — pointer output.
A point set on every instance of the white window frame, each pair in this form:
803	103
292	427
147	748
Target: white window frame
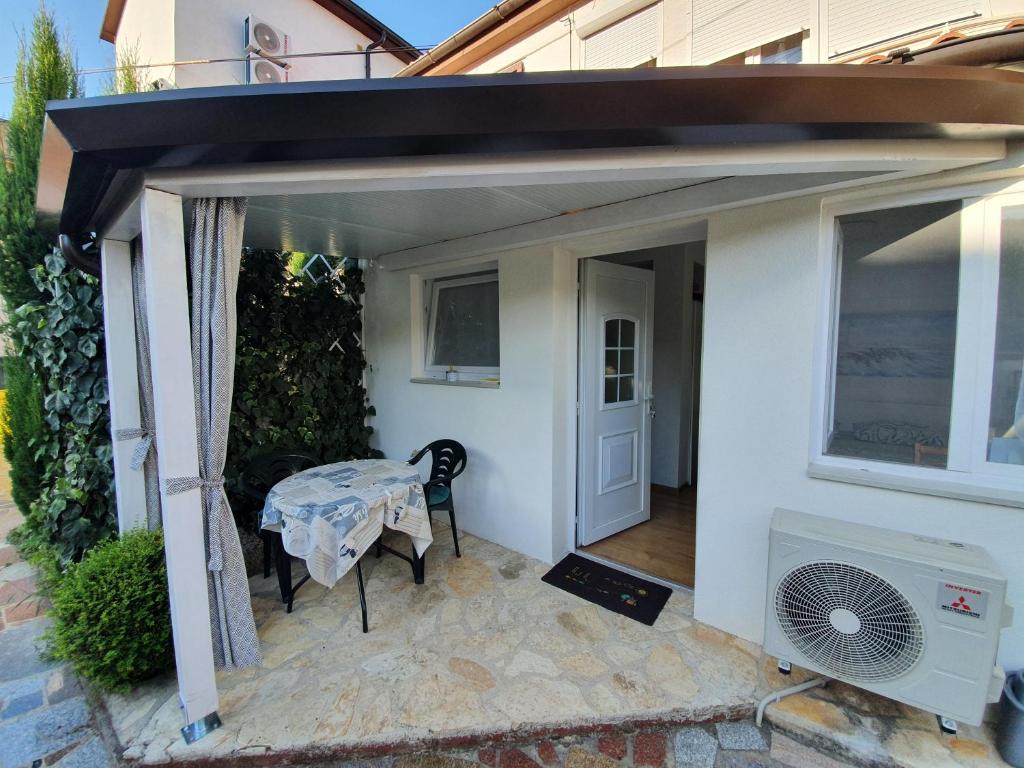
968	475
433	288
636	355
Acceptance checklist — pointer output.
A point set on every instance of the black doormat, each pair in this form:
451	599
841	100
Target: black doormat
639	599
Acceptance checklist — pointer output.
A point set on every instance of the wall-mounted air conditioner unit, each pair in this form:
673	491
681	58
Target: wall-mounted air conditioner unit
265	45
913	618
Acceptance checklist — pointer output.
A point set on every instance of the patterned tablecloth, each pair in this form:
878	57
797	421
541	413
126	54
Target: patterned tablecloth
330	515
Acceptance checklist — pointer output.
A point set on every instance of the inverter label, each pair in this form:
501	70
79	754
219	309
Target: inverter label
963	601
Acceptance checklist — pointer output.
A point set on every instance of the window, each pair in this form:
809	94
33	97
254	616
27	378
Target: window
787	50
463	326
924	379
896	333
1006	414
619	361
633	41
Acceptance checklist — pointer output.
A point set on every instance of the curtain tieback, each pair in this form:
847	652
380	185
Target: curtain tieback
176	485
141	451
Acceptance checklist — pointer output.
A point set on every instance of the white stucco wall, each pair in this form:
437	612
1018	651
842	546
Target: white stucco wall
515	477
184	30
760	313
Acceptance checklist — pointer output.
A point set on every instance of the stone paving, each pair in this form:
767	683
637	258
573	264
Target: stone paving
721	745
484	664
45	718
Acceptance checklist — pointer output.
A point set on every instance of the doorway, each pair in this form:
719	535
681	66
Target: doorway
640	343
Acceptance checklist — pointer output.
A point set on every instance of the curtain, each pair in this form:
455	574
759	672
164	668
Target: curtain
216	254
144	457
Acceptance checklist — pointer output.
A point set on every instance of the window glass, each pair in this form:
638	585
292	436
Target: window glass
1006	417
896	334
466	325
619	352
788	50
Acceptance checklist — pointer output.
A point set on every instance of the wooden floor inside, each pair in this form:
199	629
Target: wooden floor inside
665	545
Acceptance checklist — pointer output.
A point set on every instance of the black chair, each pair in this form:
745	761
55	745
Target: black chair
448	460
258	477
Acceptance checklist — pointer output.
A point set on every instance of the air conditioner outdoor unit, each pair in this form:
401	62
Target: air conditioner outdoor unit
265	45
912	618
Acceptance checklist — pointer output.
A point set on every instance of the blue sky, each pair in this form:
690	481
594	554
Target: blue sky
421	23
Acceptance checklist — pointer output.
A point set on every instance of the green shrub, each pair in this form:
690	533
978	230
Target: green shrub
111	612
24	430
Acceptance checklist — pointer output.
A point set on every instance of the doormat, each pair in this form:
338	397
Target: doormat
636	598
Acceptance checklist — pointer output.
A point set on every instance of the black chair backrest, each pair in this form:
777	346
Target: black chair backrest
448	458
264	472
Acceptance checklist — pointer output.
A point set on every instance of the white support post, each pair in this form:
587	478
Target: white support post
122	381
178	454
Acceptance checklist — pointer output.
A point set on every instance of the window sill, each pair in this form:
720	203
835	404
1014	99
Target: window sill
999	491
462	383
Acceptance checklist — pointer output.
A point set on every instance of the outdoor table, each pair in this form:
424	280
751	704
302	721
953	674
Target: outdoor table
330	515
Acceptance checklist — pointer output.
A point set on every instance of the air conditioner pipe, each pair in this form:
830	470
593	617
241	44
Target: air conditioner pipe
368	52
771	698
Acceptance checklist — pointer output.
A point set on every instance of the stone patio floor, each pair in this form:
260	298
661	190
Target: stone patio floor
484	657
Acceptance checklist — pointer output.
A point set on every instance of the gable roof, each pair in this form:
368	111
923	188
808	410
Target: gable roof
346	10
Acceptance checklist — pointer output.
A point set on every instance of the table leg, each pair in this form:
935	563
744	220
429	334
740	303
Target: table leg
362	595
283	566
419	567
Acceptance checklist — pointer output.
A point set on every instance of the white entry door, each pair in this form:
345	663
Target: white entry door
616	401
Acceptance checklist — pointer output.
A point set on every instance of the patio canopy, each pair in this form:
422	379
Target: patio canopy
407	171
96	149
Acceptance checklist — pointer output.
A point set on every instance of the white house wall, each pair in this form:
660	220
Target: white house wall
760	314
514	478
148	29
186	30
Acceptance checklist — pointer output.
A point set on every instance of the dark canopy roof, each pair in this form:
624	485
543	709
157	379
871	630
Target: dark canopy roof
92	144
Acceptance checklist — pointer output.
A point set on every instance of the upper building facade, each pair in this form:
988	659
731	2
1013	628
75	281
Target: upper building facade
546	35
195	43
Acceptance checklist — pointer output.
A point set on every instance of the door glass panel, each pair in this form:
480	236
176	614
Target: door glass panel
626	361
896	334
628	327
625	389
611	362
611	334
611	389
619	356
1006	415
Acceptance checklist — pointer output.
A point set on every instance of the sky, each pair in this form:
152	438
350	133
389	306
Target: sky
421	23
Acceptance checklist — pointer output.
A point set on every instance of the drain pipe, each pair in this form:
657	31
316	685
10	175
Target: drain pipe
368	51
771	698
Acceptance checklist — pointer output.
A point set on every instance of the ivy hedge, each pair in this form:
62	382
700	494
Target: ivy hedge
299	363
61	333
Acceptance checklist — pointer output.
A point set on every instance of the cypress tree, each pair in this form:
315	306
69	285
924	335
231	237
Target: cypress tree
45	70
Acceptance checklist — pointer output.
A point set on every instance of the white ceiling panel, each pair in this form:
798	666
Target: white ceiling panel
367	224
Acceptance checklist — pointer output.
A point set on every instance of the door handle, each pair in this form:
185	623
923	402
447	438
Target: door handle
650	406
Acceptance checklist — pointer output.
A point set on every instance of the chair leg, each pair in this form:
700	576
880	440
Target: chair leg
455	531
362	595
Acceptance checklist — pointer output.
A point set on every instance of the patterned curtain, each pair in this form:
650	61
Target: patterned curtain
216	254
145	452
